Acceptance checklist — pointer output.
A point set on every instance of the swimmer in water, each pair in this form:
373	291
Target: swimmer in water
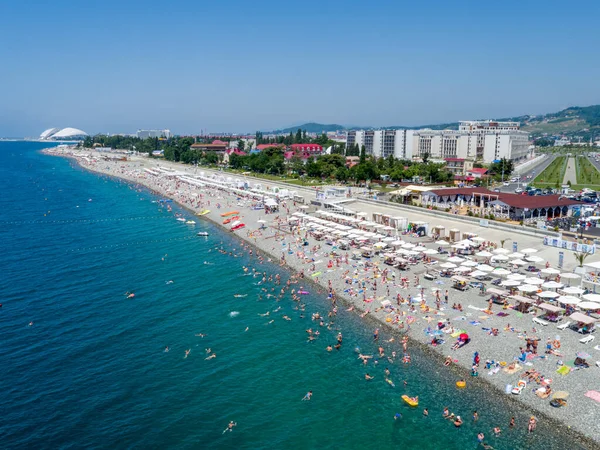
265	314
30	324
230	427
187	352
247	328
166	349
308	396
214	355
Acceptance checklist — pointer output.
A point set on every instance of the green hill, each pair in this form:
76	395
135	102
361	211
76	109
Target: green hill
577	121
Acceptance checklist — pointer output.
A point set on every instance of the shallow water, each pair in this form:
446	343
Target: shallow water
92	371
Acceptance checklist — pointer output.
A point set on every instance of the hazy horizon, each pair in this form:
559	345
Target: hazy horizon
232	66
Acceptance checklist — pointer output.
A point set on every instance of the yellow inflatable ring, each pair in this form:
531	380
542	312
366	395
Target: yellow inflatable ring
461	384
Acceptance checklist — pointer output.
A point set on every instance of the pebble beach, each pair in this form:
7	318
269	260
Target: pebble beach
363	287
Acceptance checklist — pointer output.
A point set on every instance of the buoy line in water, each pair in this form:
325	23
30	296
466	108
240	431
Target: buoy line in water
130	244
60	222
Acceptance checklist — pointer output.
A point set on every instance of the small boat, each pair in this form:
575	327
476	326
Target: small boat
411	401
180	219
190	222
202	233
203	212
226	221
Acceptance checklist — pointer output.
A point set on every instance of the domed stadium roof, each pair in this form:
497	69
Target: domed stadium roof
69	133
48	133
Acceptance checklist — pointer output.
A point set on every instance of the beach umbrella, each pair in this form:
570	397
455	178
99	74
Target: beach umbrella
464	337
261	221
478	239
500	272
516	276
588	305
442	243
533	280
455	259
499	258
463	269
501	251
388	239
478	273
528	251
552	285
448	265
466	243
419	248
568	300
592	297
582	355
569	276
469	264
510	283
573	290
560	395
304	207
516	255
408	245
459	246
550	271
430	251
535	259
519	262
484	268
549	294
528	288
484	254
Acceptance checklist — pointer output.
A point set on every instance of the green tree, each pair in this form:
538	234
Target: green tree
298	138
425	158
241	145
363	154
342	174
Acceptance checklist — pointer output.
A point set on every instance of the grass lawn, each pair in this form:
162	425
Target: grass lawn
587	174
554	174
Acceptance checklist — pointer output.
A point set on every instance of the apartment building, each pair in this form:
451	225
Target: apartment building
383	143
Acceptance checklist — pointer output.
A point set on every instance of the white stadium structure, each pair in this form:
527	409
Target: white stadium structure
66	134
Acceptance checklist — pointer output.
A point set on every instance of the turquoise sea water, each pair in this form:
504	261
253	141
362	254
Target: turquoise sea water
91	370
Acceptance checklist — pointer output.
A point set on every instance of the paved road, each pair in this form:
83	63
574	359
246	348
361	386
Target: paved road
524	177
570	172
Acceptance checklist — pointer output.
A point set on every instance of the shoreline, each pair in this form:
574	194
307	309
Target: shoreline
416	336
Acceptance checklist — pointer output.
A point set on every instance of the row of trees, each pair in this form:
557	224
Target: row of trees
300	137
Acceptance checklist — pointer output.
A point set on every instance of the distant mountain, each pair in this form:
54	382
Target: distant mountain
311	127
575	121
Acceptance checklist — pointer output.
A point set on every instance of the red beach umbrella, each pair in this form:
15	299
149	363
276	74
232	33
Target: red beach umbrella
464	337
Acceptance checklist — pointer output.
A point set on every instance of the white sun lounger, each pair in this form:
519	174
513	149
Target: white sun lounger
586	340
540	321
563	326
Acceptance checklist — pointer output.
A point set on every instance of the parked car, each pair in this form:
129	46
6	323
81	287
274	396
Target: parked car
518	190
496	189
506	183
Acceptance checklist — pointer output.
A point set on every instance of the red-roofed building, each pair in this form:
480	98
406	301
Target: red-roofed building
217	141
477	172
511	206
310	148
232	151
262	147
304	156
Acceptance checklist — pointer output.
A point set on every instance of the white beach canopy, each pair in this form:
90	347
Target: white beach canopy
516	276
529	251
573	290
469	264
550	271
535	259
592	297
528	288
484	268
501	251
519	262
548	294
463	269
569	275
484	254
510	283
552	285
442	243
534	281
448	265
568	300
499	258
478	273
430	251
455	259
589	305
500	272
516	255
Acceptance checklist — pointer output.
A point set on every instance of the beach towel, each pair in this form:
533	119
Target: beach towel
483	317
594	395
563	370
475	307
475	323
502	314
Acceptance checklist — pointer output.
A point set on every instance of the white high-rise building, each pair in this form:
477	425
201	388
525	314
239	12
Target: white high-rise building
145	134
483	141
383	143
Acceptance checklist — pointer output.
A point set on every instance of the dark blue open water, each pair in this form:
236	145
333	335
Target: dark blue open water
91	372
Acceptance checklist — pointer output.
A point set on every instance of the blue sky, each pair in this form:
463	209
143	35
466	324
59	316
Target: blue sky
116	66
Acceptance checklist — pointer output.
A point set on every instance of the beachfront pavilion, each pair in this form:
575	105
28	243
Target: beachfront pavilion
509	206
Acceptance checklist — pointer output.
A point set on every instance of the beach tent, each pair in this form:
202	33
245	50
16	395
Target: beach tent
589	305
478	273
497	292
550	308
533	280
516	255
516	276
582	318
550	271
573	290
484	268
568	300
522	299
528	288
510	283
484	254
535	259
501	251
552	285
548	294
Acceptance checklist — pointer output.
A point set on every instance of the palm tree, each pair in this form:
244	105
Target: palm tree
580	257
502	241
